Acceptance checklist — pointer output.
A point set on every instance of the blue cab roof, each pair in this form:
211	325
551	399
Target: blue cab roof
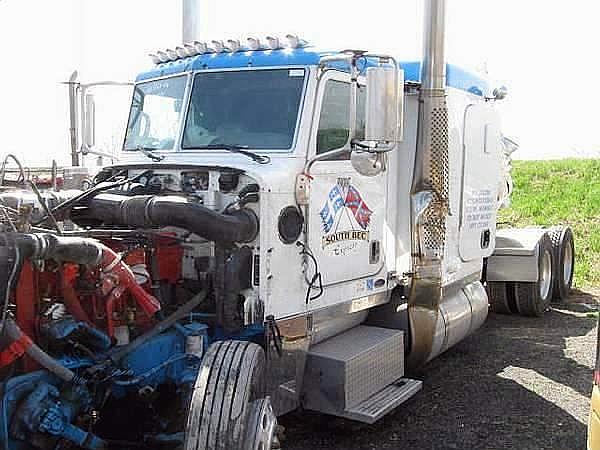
456	77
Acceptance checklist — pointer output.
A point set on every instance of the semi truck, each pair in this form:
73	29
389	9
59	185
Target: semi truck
286	228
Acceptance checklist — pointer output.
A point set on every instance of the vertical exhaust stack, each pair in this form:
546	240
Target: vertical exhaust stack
190	20
429	196
441	314
433	69
73	125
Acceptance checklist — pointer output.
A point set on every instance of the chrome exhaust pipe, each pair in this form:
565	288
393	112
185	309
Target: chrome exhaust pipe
433	69
440	316
431	165
73	119
190	20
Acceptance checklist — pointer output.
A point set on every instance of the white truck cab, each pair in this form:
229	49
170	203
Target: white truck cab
343	222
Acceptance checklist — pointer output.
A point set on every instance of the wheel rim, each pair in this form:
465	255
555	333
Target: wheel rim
546	275
262	425
567	264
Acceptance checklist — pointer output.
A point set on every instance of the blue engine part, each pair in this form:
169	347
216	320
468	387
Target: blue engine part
164	358
39	403
47	410
60	330
13	391
32	404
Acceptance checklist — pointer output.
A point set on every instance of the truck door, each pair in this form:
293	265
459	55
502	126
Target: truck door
346	210
480	182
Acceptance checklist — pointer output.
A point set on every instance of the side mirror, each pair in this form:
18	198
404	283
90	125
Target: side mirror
90	122
385	99
368	164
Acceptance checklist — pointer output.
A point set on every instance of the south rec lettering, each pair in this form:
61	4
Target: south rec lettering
340	236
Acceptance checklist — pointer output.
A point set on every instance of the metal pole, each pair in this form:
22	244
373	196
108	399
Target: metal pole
433	70
190	20
73	118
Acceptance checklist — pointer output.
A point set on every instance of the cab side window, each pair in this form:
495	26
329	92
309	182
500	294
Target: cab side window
335	113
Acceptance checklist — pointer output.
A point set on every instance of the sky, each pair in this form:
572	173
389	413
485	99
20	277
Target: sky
542	50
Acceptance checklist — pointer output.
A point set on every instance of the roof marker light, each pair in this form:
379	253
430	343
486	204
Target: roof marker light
273	43
190	49
234	45
172	54
253	43
162	56
295	42
219	46
201	47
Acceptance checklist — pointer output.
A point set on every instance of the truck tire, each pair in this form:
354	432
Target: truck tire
498	293
563	247
228	395
533	299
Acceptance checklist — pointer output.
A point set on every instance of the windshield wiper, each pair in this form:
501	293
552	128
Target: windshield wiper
241	149
147	151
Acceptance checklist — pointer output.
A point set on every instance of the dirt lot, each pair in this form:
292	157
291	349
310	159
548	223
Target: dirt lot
518	383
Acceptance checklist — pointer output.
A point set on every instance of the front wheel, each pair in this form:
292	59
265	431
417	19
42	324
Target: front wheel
228	409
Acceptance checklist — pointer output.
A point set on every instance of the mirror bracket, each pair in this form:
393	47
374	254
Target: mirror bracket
373	146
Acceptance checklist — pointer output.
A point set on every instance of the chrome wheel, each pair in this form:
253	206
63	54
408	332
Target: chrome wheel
546	275
261	426
533	298
568	264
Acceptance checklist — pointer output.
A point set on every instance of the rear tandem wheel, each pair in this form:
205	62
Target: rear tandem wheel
564	261
499	297
533	298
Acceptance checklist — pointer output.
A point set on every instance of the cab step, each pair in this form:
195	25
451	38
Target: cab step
357	374
381	403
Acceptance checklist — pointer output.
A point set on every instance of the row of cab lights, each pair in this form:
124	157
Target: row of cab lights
252	44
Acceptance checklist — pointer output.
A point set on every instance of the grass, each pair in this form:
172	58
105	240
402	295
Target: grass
563	192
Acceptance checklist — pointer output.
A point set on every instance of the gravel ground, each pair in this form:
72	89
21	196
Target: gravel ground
518	383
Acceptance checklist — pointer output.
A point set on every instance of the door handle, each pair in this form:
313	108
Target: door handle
374	252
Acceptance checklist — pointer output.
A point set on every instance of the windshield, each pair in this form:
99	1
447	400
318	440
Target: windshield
155	114
251	108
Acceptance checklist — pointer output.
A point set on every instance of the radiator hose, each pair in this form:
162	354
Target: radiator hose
145	211
21	344
58	248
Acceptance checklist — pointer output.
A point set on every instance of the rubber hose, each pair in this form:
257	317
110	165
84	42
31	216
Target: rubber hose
59	248
15	333
144	211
